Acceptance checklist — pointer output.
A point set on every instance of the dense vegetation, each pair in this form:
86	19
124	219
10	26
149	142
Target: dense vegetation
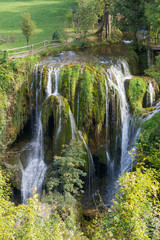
14	95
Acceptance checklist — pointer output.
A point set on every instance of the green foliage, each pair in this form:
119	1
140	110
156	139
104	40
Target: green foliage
135	210
69	171
136	91
152	12
14	96
28	26
86	16
149	144
133	14
35	220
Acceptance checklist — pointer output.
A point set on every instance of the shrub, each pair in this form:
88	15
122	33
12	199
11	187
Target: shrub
56	36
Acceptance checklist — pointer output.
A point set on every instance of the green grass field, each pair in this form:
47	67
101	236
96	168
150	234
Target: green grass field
49	16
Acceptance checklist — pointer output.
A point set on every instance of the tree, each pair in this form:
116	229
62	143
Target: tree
87	16
107	6
133	14
69	170
28	26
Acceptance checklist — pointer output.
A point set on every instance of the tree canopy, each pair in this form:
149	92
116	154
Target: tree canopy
132	14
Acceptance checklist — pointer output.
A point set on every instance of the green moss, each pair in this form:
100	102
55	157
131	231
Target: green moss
136	91
65	79
45	79
52	112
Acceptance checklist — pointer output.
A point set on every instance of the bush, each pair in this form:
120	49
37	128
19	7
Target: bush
56	36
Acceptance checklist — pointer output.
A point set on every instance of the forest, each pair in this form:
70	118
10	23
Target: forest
80	120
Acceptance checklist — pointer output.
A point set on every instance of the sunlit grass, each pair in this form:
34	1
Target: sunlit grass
49	16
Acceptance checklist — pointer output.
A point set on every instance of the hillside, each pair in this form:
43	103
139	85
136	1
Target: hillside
49	16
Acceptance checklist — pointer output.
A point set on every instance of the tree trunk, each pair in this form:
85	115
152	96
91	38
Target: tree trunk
106	22
28	43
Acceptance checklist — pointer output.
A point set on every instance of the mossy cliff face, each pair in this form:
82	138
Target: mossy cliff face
84	87
56	126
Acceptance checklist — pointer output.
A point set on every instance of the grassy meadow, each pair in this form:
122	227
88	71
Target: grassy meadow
49	16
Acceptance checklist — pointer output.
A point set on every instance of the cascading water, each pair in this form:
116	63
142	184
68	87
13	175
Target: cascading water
132	158
151	93
120	135
49	82
117	75
73	124
92	176
56	72
33	174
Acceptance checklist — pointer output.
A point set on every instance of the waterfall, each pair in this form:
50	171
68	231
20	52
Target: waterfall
73	124
33	174
151	93
131	159
57	72
110	162
117	75
49	82
119	137
35	75
41	77
77	109
60	118
92	176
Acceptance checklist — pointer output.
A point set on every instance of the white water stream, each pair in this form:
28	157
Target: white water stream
92	176
117	75
151	93
34	172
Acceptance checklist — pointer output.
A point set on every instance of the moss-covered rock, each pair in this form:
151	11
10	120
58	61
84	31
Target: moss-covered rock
137	92
56	125
136	89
